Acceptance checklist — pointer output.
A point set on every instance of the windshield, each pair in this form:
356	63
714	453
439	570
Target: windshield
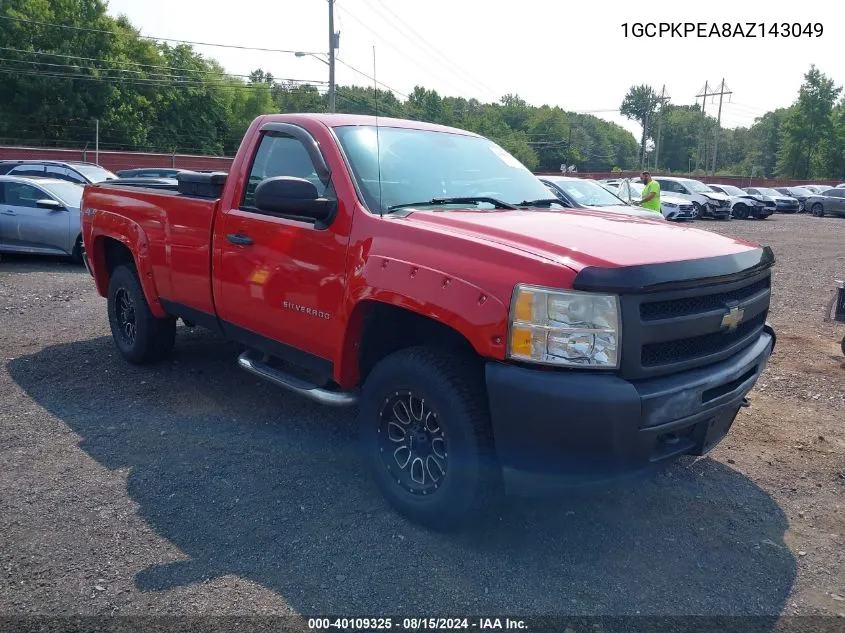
67	192
799	191
94	173
407	166
698	187
766	191
731	190
588	193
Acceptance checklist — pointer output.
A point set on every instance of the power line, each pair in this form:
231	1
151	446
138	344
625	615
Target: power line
193	43
136	80
147	37
363	74
137	64
455	69
402	53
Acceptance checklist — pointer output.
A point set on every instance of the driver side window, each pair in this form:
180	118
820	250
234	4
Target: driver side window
280	155
22	195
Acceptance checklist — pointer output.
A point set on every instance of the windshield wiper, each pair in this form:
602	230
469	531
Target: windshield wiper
541	202
465	200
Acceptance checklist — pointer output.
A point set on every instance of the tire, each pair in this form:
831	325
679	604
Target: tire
443	397
699	211
78	250
818	210
842	345
139	336
740	212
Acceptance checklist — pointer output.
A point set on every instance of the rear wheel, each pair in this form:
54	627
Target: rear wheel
818	209
139	336
427	436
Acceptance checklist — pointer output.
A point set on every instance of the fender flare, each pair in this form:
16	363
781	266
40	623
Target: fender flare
132	236
476	314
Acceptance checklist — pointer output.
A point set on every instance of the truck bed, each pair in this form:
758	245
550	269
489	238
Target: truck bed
178	232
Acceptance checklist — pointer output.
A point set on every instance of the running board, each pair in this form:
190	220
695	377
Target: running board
327	397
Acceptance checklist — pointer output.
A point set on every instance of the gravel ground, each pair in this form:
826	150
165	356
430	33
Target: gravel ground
190	488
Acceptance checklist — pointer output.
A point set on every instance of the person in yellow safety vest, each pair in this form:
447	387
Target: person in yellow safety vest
651	193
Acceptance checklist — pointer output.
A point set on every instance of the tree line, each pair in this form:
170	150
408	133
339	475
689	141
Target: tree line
803	141
69	64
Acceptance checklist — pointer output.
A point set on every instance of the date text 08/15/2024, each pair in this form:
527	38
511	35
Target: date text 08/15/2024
416	624
723	30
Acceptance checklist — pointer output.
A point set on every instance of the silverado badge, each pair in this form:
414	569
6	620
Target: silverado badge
733	318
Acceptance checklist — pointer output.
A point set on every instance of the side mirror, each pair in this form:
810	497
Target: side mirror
50	205
293	196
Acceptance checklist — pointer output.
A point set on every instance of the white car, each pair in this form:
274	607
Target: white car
672	207
707	202
584	193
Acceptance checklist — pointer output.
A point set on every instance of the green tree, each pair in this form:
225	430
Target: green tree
808	122
639	105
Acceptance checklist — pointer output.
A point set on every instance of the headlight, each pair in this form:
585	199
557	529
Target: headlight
564	328
671	205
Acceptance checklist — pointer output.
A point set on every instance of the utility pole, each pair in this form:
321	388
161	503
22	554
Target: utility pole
663	99
97	143
645	141
333	44
722	92
705	93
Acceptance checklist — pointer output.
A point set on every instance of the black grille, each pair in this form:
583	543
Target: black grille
694	305
670	352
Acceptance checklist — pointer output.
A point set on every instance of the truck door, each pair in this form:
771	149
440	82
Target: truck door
279	281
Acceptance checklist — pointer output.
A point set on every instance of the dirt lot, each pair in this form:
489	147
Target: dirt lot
190	488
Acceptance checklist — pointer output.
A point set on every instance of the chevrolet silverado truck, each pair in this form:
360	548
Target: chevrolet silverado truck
492	341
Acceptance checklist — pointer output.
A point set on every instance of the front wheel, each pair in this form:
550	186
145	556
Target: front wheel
427	436
698	210
740	212
818	210
78	250
139	336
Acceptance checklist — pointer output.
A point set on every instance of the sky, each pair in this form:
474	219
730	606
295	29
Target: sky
574	55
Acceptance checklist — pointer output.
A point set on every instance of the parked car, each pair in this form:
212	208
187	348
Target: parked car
672	207
816	188
40	216
801	194
746	205
487	342
783	204
831	201
584	193
707	202
149	172
72	171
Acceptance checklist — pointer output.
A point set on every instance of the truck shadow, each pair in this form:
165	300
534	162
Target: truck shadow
249	480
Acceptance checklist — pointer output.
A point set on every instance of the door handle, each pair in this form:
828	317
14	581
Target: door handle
239	239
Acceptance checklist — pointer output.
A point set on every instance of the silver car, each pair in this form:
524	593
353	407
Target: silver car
40	216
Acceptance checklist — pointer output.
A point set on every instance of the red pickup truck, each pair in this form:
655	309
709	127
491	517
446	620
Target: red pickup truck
492	340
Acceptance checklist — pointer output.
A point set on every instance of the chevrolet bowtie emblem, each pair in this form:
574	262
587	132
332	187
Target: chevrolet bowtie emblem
733	318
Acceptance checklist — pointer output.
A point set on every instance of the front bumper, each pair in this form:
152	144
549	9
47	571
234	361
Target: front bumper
561	429
717	212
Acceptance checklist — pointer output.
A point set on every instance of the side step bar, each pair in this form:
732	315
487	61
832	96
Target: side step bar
292	383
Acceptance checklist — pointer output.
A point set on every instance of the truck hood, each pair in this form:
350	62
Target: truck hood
630	211
578	238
